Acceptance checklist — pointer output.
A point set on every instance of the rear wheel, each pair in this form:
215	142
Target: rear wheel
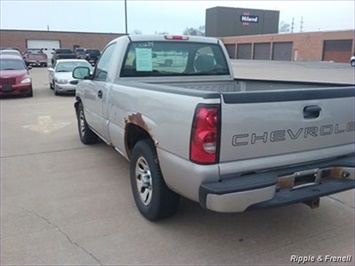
153	198
87	136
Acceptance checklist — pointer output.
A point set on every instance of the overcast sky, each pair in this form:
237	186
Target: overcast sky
162	16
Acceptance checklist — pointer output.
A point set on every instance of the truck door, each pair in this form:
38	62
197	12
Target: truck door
97	92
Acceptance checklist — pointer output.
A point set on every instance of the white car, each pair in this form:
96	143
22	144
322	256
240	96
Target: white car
352	61
60	75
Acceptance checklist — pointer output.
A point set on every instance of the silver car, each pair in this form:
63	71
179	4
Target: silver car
352	61
60	75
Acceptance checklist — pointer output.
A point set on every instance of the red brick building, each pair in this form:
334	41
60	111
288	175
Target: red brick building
337	46
22	39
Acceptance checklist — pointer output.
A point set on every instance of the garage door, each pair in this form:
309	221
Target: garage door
231	50
47	45
244	51
262	51
337	50
282	51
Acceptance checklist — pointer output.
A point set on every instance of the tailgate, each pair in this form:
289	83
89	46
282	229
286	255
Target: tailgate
36	56
261	124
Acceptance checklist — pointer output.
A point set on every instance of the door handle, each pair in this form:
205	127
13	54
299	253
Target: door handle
99	94
311	111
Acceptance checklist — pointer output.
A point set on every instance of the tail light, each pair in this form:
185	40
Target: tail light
176	37
205	134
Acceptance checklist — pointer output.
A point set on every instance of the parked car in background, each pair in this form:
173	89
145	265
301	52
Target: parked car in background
60	75
10	51
14	76
352	61
92	55
35	57
63	54
80	53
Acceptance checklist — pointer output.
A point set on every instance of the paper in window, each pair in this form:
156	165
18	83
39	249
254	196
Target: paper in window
144	59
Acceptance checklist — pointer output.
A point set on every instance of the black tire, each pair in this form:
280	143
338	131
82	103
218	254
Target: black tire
153	198
352	63
87	136
30	94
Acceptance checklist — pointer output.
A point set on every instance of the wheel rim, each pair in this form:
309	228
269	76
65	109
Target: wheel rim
82	123
144	181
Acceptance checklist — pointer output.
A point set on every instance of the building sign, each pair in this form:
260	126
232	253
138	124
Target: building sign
249	19
246	18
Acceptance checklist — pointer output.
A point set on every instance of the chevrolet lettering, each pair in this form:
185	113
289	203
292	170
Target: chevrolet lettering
283	135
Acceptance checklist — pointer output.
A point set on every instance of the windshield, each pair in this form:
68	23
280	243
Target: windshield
69	66
93	52
35	51
12	64
174	59
63	51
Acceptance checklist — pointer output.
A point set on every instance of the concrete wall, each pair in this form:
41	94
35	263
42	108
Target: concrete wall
18	38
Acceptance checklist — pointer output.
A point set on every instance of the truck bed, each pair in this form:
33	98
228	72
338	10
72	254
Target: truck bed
242	85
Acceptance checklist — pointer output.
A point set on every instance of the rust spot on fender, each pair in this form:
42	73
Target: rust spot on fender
137	119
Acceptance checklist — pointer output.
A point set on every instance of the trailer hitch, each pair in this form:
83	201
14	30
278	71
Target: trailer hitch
313	204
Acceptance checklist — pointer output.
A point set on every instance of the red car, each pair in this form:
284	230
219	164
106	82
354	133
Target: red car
14	76
35	57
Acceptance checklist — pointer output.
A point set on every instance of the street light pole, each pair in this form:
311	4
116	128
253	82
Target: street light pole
125	15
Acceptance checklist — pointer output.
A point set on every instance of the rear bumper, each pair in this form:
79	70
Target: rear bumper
34	61
266	190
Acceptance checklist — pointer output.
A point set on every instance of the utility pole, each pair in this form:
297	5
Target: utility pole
301	26
125	16
292	24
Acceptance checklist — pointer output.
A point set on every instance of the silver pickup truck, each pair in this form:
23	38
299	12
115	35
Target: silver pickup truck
172	107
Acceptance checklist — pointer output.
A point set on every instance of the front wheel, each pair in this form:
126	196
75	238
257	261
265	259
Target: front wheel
352	63
87	136
153	198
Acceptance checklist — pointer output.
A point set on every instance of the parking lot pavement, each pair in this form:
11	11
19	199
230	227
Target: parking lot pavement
66	203
285	70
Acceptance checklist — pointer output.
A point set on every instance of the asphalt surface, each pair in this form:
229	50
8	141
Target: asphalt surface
66	203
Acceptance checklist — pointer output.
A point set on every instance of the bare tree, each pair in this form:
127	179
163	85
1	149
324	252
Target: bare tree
200	31
136	32
284	27
161	33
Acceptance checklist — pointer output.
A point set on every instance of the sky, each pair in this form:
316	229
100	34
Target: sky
150	17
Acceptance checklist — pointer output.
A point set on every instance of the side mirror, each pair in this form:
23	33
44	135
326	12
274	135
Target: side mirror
81	72
29	67
51	69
